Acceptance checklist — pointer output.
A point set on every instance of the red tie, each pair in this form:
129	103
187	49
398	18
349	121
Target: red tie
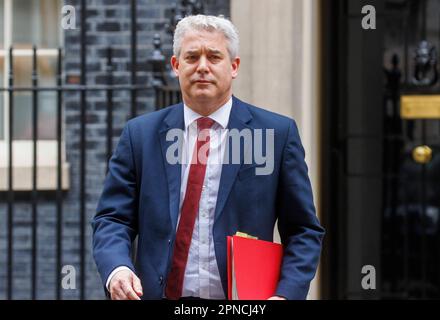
190	208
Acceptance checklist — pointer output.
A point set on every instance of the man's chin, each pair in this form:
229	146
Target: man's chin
205	95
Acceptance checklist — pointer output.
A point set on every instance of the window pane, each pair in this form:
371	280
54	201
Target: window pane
46	69
47	66
36	22
22	71
23	116
47	115
23	100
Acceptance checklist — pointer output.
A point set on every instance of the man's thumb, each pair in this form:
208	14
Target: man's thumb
137	285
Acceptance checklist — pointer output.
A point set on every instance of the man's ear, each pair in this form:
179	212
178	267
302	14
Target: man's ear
235	66
175	65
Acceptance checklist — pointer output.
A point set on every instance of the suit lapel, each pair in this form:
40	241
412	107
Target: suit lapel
238	119
174	120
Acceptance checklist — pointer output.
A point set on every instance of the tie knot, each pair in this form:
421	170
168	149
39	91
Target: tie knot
204	123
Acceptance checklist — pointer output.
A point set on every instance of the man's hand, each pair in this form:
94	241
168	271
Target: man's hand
277	298
125	285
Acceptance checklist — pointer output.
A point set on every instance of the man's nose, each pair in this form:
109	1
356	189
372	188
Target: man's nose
203	65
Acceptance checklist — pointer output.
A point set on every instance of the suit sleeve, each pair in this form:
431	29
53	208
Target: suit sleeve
300	231
115	223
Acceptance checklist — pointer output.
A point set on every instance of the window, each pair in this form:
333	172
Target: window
2	116
25	23
2	71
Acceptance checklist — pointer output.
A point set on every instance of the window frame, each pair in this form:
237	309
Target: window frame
22	149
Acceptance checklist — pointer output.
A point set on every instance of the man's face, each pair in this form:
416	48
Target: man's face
204	67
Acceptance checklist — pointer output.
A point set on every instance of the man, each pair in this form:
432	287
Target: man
183	211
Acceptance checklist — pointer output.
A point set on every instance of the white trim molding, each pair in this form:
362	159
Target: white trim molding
22	160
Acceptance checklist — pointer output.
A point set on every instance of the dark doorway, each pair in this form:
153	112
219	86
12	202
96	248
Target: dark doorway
382	168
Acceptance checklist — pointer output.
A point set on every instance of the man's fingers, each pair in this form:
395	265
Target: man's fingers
125	285
122	290
277	298
137	285
129	292
116	294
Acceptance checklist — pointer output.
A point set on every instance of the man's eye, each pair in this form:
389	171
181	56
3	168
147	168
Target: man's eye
192	58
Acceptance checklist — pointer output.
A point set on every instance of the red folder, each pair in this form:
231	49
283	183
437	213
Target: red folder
253	268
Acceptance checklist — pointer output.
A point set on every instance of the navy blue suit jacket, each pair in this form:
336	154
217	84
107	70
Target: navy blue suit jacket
141	198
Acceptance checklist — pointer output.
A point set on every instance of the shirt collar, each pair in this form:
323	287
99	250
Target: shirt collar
220	116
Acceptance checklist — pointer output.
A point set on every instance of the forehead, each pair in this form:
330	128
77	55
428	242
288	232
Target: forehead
195	40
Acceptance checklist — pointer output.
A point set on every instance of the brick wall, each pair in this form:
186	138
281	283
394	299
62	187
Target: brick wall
108	23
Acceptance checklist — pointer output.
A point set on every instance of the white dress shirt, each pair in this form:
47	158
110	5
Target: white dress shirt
202	277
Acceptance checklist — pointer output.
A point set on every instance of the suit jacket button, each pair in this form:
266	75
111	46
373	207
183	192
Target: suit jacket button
169	242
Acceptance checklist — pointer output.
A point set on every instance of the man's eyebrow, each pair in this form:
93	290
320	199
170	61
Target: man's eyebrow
192	51
211	51
215	51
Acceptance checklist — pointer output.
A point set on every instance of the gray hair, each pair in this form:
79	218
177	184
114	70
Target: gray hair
209	23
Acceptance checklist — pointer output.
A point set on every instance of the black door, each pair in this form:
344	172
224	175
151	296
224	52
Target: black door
382	156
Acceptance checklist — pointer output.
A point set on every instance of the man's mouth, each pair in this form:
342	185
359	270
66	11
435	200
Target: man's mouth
203	81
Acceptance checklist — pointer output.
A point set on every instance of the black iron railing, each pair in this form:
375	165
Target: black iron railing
166	92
